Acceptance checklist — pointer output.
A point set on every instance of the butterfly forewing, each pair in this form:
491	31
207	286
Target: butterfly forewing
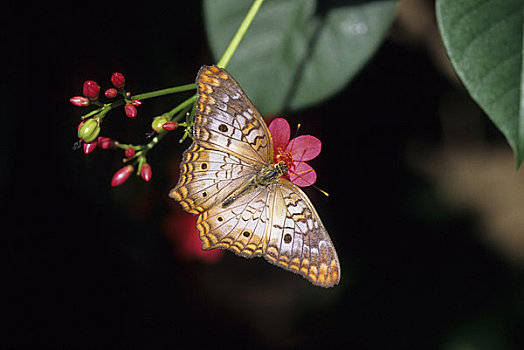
227	120
231	146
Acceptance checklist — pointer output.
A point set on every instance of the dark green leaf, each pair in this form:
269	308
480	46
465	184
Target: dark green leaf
483	39
297	52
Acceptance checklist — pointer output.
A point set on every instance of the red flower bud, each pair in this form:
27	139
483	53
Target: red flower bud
118	80
79	101
90	146
91	90
105	142
130	151
136	102
122	175
130	110
171	125
110	93
145	172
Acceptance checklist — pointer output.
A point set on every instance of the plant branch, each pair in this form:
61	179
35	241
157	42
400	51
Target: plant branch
239	35
172	90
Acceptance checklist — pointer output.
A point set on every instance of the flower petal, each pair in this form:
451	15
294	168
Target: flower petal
302	174
280	133
304	148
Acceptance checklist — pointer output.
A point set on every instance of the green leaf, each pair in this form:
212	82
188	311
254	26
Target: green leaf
297	52
483	39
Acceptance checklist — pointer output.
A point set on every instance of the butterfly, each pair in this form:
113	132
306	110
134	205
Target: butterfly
244	202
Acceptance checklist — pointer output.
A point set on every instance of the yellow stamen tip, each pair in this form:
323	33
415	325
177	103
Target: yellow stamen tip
322	191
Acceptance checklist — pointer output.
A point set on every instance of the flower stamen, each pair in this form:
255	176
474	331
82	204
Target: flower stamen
286	157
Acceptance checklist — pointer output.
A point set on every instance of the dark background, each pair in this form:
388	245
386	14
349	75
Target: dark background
89	267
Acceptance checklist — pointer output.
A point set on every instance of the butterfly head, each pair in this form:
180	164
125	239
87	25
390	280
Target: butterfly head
270	174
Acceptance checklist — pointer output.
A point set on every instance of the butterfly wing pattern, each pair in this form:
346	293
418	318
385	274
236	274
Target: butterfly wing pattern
232	144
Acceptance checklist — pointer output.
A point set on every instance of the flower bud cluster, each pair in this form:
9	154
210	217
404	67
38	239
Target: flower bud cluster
91	92
89	129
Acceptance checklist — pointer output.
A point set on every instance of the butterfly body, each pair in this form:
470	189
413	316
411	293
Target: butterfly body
228	177
264	177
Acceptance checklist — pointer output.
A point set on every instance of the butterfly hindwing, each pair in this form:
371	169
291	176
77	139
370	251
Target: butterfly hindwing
278	222
239	227
296	238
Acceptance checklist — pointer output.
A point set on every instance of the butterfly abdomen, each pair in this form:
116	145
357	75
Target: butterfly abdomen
242	190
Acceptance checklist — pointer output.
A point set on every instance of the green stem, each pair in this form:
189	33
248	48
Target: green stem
226	57
163	92
181	106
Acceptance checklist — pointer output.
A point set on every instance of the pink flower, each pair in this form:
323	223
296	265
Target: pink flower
181	230
295	152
